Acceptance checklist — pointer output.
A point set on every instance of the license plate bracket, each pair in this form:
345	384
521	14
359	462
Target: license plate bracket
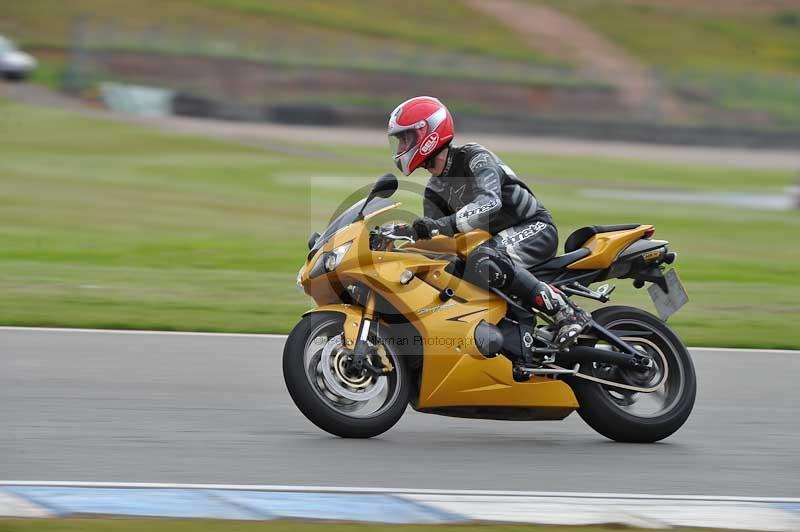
668	303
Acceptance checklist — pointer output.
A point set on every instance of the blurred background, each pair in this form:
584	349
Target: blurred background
162	163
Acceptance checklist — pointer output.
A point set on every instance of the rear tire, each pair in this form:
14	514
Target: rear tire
606	411
319	404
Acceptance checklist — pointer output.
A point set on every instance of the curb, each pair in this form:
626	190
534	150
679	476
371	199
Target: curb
32	499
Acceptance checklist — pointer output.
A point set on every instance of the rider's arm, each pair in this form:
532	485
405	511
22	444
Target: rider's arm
433	206
481	209
435	215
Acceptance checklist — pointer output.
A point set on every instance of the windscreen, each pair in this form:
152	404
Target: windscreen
347	217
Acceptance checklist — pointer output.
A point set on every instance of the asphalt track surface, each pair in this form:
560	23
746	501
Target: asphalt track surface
105	406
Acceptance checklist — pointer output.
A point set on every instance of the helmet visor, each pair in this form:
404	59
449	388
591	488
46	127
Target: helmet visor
405	146
404	141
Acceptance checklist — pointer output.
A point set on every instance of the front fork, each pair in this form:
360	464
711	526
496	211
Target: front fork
362	348
357	328
358	323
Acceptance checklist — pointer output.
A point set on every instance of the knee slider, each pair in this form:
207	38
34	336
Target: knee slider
491	268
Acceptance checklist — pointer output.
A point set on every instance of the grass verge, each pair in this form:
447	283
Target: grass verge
104	224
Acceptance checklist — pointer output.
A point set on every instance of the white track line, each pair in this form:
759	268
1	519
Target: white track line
134	331
403	491
284	336
745	351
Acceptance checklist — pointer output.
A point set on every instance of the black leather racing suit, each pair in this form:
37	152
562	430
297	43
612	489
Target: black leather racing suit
477	191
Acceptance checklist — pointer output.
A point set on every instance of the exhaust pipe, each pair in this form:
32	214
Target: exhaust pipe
583	353
490	340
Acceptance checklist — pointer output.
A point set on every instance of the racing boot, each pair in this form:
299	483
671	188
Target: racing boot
570	320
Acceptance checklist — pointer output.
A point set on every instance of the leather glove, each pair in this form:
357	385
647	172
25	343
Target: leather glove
403	230
426	228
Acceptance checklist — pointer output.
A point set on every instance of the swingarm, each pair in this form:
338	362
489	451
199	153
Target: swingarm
525	344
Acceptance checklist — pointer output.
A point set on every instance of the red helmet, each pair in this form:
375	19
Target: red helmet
418	128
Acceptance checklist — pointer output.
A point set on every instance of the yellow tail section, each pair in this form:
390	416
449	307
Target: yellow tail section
605	247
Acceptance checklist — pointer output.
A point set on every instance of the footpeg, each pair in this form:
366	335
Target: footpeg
548	371
548	358
524	374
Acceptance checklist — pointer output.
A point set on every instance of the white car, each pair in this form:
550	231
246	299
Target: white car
14	64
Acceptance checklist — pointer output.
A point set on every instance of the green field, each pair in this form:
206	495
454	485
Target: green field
732	62
346	23
350	34
731	36
105	224
743	56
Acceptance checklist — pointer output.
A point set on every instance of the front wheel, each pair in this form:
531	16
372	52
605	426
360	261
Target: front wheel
333	397
628	416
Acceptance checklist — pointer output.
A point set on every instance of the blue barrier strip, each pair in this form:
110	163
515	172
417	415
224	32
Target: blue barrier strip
444	516
49	506
177	503
269	502
337	506
231	504
788	507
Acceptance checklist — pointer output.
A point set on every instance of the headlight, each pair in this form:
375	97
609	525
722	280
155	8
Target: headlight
300	278
334	258
330	260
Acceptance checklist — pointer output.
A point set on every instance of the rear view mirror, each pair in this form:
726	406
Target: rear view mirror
384	187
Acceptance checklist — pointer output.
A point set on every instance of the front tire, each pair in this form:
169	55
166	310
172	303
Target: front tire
614	413
335	402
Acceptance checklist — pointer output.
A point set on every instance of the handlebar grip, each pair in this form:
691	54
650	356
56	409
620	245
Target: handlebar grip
401	229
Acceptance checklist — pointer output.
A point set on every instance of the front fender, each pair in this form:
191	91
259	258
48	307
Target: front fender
352	319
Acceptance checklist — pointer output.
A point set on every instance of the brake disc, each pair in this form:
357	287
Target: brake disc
334	383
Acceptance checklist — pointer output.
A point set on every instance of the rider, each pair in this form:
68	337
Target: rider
470	188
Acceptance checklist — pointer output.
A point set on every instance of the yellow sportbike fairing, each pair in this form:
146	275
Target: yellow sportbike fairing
454	373
413	331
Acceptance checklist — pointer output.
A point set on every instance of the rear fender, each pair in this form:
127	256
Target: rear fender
641	246
641	256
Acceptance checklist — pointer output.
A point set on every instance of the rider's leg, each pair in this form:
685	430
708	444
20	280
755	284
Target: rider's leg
570	322
503	263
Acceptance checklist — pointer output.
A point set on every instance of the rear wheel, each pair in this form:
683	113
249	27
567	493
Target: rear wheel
628	416
337	400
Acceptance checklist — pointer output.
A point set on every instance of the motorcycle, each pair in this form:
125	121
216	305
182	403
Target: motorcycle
396	324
